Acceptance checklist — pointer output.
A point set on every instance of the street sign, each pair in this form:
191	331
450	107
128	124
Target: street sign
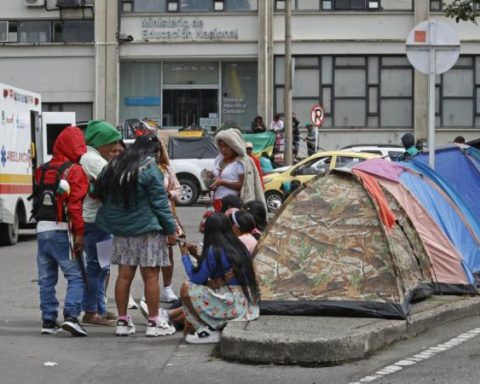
433	36
317	115
432	48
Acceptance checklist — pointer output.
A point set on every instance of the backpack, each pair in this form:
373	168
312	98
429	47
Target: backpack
45	194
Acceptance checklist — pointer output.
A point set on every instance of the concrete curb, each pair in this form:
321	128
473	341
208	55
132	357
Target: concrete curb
309	341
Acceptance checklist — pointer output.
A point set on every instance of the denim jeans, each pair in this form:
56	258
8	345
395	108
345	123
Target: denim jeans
94	294
53	252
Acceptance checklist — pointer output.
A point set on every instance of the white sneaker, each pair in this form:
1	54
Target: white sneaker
167	295
125	328
204	335
143	308
131	303
159	328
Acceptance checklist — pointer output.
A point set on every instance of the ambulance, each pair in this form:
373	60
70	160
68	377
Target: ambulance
26	141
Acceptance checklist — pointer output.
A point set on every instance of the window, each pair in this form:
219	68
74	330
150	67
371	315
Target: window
313	167
3	31
34	32
195	5
83	111
354	91
150	5
74	31
241	5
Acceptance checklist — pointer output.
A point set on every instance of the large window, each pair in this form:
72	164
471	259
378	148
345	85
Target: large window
347	5
161	6
47	31
458	92
355	91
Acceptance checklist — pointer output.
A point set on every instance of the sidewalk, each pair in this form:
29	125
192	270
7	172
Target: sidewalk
311	341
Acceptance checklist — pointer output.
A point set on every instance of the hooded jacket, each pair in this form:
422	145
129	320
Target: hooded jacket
252	184
70	146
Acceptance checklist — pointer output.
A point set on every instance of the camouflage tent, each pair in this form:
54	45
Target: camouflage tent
330	252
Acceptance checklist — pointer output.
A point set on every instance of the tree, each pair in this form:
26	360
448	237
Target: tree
465	10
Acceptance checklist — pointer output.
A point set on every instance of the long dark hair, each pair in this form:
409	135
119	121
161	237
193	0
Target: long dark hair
219	238
257	209
120	177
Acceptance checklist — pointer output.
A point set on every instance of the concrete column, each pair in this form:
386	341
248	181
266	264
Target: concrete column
420	88
265	60
106	61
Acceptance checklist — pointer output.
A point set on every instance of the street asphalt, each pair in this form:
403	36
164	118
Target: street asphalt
449	352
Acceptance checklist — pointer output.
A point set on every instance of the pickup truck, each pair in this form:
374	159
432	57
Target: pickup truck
188	157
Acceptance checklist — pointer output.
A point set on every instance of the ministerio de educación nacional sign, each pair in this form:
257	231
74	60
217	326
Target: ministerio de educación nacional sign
183	29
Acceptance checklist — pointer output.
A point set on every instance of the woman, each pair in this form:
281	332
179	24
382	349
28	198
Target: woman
234	172
277	126
135	210
222	287
258	126
243	225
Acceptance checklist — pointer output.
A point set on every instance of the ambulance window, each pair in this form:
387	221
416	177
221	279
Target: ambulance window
53	130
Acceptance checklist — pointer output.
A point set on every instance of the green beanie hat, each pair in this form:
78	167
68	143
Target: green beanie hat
99	133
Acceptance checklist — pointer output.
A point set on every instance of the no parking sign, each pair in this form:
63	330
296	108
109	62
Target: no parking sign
317	115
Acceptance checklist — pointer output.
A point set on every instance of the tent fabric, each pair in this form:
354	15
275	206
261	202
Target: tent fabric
378	167
446	261
448	218
327	252
425	170
192	148
459	166
373	188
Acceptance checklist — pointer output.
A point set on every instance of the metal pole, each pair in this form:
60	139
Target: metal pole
288	83
431	98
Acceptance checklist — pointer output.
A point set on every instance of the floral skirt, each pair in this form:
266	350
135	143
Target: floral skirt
147	250
218	306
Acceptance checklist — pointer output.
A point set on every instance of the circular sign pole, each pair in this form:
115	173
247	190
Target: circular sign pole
433	48
317	115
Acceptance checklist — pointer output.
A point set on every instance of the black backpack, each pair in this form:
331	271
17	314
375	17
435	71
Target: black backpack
44	206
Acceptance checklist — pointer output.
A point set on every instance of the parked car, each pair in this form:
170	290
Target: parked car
307	169
188	157
387	151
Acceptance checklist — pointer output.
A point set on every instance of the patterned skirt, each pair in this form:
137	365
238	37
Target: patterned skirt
218	306
147	250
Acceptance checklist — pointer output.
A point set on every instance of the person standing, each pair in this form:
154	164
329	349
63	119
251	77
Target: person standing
258	126
234	171
277	126
59	189
295	135
249	149
102	145
135	210
311	139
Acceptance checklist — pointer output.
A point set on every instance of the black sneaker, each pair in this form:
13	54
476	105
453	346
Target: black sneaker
50	327
72	325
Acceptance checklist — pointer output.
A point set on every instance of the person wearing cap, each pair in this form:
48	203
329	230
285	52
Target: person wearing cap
256	161
102	140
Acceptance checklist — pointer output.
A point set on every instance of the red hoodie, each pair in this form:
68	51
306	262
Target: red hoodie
70	146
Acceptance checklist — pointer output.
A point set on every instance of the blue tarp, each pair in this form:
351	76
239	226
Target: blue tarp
448	219
459	166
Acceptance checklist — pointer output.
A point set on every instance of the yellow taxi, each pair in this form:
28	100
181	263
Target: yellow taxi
307	169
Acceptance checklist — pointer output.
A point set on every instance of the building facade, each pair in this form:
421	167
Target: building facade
221	62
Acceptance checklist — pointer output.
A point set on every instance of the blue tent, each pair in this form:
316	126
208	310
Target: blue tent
459	166
453	224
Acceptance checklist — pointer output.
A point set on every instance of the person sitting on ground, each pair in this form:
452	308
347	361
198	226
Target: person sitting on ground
459	140
231	201
257	209
243	224
266	163
408	141
222	287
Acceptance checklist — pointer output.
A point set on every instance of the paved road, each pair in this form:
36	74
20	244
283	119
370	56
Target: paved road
104	358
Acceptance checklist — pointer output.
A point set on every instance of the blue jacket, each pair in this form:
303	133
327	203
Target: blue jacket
208	269
147	212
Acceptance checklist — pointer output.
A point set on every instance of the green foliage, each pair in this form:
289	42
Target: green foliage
464	10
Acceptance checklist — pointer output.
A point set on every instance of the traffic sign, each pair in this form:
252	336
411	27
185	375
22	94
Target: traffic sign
436	38
432	48
317	115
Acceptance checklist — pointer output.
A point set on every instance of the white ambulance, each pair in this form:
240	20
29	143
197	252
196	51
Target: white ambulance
26	141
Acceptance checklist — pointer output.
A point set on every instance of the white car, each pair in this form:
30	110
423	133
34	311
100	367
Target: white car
387	151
